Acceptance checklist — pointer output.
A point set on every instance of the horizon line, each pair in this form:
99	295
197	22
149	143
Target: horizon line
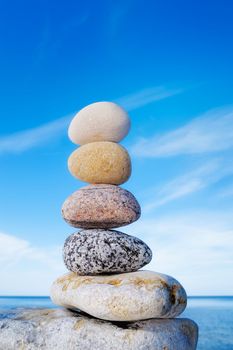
47	296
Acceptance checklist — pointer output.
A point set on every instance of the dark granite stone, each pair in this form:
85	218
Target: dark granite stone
97	251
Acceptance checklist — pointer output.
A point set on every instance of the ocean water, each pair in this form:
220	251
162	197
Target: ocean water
214	316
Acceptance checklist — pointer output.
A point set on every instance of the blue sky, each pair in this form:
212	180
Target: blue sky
169	63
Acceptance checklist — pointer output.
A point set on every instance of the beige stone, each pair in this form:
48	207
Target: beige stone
100	162
100	121
124	297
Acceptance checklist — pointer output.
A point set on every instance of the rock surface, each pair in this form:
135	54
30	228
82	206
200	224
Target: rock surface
100	121
101	206
124	297
100	162
92	252
48	329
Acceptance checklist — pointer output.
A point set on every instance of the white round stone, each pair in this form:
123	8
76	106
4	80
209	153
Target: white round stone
123	297
100	121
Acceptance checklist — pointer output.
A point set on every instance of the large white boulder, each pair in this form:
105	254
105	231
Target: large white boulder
48	329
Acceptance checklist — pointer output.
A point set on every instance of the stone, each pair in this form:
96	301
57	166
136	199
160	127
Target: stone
122	297
100	162
96	251
48	329
101	206
100	121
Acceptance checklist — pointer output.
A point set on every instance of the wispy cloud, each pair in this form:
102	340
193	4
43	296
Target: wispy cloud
25	268
210	132
191	182
27	139
146	96
194	247
14	249
30	138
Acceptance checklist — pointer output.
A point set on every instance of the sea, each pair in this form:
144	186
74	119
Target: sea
214	316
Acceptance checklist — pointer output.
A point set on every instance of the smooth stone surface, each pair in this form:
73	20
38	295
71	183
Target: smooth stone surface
48	329
100	121
101	206
93	252
125	297
100	162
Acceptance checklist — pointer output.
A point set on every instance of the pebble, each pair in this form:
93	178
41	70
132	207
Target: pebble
101	206
100	162
100	121
122	297
49	329
93	252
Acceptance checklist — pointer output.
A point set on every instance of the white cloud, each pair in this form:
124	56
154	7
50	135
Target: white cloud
12	249
194	247
210	132
146	96
27	139
27	269
193	181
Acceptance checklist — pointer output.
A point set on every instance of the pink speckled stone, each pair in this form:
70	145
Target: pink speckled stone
101	206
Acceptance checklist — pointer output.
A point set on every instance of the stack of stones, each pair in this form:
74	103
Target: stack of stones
104	281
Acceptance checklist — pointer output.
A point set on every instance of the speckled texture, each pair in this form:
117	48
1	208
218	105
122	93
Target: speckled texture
101	206
92	252
100	162
124	297
100	121
48	329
